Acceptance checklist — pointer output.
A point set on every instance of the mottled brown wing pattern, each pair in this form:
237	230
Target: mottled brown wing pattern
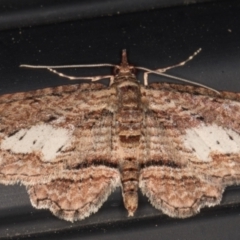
76	193
73	145
32	126
193	147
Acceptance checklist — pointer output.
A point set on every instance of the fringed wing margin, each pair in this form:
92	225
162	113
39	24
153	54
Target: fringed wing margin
77	194
178	193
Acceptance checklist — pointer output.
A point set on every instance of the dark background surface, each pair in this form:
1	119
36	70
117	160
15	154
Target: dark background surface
15	14
154	38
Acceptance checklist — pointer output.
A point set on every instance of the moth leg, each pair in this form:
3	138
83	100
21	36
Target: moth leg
162	70
92	79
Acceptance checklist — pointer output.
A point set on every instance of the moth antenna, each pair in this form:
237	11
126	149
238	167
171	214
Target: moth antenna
177	78
124	63
181	63
161	72
91	78
69	66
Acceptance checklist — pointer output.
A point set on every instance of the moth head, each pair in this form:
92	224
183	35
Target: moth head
124	68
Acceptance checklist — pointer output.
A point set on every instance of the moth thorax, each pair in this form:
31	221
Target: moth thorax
128	77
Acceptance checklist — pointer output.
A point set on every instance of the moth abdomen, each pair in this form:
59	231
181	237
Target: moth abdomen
130	180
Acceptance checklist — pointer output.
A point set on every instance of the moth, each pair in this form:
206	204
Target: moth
72	146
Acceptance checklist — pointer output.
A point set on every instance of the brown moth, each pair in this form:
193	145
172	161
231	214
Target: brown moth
71	146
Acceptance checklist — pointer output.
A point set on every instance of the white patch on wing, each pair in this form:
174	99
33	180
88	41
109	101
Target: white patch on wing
206	139
41	138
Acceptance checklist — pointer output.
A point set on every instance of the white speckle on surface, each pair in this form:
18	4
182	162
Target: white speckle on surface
206	139
40	138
